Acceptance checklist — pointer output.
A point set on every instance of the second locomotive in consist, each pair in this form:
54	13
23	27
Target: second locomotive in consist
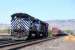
24	26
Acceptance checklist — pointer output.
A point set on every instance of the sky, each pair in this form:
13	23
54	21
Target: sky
42	9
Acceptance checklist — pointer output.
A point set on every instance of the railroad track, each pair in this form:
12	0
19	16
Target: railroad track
6	42
21	44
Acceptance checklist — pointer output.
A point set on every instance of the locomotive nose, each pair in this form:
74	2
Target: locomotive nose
18	23
18	27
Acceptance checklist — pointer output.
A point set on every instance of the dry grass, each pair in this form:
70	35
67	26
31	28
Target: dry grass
70	38
4	32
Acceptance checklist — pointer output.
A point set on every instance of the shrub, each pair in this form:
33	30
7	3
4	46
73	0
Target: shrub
69	31
49	34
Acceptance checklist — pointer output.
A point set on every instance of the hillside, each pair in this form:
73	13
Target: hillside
4	29
62	24
4	26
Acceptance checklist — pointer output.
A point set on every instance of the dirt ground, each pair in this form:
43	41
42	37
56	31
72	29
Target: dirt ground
57	44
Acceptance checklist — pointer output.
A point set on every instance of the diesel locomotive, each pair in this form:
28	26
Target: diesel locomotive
24	26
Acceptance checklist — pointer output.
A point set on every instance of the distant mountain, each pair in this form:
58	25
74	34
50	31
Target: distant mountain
62	24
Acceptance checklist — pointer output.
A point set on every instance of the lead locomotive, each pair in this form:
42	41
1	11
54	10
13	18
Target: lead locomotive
24	26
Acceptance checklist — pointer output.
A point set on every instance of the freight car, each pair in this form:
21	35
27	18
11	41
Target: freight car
58	32
24	26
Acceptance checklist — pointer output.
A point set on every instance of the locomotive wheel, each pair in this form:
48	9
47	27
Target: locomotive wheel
41	35
45	35
32	35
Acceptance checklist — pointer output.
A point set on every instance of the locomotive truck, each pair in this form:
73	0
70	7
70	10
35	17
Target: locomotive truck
24	26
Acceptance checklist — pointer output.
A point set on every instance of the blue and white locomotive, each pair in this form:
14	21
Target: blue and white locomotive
24	26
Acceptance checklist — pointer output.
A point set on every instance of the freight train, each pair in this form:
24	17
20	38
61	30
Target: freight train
24	26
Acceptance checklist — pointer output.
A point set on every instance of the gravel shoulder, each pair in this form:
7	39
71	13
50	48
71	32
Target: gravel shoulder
55	44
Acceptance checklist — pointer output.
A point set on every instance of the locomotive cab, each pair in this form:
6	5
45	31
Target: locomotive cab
35	29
